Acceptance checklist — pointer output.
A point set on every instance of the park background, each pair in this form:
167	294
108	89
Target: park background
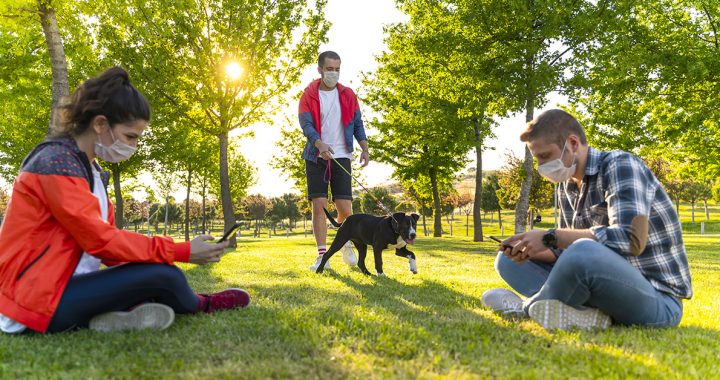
445	88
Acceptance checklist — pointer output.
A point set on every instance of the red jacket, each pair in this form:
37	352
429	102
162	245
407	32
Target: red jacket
309	116
52	217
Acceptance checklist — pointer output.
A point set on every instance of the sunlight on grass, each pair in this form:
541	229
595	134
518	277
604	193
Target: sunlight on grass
342	324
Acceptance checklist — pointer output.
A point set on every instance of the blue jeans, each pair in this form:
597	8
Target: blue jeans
120	288
590	274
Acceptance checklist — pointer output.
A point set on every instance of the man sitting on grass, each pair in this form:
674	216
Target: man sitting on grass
619	255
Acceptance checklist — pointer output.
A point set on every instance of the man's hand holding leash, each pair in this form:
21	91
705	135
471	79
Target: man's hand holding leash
324	149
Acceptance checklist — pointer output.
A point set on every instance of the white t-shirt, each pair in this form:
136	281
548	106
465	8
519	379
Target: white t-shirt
331	127
87	263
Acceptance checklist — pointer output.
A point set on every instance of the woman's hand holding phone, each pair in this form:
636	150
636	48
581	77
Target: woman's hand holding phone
203	253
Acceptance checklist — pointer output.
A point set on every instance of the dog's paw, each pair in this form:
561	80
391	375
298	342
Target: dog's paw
381	275
413	266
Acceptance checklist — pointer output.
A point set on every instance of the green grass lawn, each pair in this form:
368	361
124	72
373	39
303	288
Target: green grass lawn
345	325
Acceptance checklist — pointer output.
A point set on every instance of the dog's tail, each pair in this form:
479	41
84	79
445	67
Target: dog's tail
332	220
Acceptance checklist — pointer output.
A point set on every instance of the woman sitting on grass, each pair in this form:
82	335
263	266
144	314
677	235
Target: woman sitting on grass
60	226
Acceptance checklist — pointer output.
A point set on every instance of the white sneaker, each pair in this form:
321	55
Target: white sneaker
349	256
555	315
154	316
315	266
504	302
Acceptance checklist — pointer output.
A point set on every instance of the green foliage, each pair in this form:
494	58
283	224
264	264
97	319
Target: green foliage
256	206
4	199
653	69
182	51
288	155
242	176
511	176
490	201
284	208
368	204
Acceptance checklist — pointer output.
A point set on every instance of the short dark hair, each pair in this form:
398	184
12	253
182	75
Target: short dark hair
555	126
327	54
109	94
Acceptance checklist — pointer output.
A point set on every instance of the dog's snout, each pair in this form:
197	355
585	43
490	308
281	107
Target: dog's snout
412	235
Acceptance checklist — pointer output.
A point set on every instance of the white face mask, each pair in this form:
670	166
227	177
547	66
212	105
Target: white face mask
114	153
330	78
556	171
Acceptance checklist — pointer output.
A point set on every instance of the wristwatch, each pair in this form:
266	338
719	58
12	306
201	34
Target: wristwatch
550	239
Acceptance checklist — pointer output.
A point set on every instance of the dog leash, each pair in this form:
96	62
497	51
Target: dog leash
328	175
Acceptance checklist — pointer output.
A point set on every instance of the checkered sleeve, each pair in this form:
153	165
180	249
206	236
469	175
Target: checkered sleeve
629	189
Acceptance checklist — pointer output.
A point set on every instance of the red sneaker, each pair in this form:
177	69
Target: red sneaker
227	299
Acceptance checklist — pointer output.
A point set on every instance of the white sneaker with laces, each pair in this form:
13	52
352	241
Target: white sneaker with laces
315	266
154	316
349	256
555	315
504	302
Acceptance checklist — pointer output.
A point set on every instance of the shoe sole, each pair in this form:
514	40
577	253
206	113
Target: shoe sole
555	315
146	316
494	300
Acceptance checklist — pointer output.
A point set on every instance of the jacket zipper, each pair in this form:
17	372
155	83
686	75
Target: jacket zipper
32	263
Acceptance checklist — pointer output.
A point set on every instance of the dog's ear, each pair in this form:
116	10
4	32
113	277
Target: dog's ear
415	216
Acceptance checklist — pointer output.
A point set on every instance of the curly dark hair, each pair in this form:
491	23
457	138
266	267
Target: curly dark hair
109	94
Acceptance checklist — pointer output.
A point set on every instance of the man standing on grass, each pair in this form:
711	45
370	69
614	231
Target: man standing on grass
619	255
330	118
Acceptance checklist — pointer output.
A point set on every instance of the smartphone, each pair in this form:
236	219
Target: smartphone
505	246
230	232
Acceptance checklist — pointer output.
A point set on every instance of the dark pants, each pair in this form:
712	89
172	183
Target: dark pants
318	178
120	288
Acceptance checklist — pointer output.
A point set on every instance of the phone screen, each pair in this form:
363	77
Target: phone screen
230	232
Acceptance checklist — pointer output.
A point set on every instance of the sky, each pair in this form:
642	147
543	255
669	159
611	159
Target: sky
357	36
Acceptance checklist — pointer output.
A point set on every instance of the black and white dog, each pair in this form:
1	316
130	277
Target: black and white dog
379	232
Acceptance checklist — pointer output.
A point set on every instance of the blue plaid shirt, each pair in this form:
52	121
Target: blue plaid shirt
617	187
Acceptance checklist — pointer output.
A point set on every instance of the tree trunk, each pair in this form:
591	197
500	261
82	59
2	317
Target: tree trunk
707	211
204	217
424	226
467	224
692	211
228	214
167	211
500	218
677	206
187	204
521	209
119	204
477	221
56	51
436	204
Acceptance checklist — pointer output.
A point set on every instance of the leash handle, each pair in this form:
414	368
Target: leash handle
382	206
328	173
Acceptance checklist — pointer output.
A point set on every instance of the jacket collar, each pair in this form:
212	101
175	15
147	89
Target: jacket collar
70	143
592	165
314	87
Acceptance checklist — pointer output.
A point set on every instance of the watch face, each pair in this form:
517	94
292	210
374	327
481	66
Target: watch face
549	239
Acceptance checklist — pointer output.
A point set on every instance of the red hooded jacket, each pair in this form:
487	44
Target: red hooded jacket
52	217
